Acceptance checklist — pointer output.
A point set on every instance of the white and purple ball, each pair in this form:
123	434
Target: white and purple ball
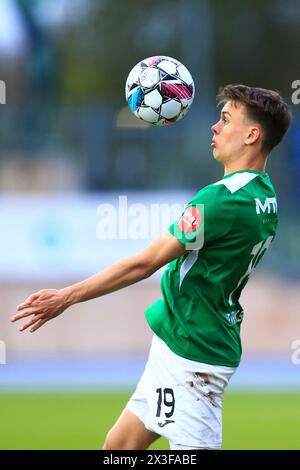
160	90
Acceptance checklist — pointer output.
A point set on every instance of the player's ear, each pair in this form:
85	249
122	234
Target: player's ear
253	135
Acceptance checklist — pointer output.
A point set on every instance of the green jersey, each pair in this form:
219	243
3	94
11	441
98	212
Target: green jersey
226	228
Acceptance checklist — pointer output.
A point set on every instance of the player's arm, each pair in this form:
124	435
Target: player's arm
44	305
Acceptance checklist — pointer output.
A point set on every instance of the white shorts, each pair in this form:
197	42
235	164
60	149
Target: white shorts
181	399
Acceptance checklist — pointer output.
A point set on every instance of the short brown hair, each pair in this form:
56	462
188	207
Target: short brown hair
266	107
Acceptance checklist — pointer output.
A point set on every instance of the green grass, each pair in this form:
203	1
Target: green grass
261	421
80	421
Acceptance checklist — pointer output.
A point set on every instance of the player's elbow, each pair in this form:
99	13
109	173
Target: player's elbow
145	266
147	270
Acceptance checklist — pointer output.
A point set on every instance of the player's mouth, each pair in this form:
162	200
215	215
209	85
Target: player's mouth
213	144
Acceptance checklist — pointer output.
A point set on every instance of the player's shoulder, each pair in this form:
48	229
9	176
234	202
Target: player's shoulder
238	184
238	181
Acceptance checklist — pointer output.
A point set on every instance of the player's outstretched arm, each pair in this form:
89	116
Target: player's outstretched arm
46	304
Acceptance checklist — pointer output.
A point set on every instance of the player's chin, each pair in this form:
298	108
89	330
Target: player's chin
219	156
216	154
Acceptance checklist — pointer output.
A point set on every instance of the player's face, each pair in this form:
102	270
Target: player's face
230	133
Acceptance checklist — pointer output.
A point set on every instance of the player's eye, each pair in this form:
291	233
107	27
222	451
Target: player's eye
224	119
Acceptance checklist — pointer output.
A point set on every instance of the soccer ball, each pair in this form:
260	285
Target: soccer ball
159	90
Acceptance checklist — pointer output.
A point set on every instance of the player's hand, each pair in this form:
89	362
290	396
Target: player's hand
41	306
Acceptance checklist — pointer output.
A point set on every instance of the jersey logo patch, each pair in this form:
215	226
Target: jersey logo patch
270	205
190	220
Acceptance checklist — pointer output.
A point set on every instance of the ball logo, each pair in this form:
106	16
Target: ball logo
190	220
149	77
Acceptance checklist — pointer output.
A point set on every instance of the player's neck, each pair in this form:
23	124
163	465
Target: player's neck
258	165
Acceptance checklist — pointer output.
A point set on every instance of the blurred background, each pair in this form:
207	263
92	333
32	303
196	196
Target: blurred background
68	143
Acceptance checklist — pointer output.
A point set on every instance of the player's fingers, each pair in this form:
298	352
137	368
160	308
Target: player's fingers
31	322
28	301
38	325
28	311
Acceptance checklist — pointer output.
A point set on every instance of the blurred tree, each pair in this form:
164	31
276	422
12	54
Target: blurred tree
112	38
40	81
41	55
255	43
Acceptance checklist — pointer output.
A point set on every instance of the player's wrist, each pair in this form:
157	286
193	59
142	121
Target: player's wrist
68	297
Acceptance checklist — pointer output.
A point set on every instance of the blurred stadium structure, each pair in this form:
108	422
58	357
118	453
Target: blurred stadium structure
68	143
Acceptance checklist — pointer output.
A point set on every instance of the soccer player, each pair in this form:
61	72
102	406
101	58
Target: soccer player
210	251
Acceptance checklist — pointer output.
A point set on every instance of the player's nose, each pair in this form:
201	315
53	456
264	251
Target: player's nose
214	128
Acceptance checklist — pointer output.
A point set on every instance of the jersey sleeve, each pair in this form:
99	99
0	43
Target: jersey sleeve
207	217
